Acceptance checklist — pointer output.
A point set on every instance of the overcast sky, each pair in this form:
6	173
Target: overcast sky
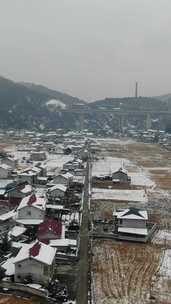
88	48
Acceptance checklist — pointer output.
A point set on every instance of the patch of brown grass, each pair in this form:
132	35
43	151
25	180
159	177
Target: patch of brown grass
4	299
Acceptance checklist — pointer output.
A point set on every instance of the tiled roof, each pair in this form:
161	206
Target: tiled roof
50	225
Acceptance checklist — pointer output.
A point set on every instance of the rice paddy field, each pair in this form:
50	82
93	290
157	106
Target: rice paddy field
132	273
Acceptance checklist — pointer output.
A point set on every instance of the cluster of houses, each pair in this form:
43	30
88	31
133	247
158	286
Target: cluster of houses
130	223
40	217
151	136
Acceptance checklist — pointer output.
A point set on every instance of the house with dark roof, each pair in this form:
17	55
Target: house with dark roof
121	176
63	179
57	191
50	229
38	156
34	263
131	222
18	191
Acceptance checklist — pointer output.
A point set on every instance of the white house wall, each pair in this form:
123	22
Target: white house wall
133	223
30	212
33	268
4	173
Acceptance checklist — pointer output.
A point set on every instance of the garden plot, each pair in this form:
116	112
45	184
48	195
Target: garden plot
123	273
12	299
119	195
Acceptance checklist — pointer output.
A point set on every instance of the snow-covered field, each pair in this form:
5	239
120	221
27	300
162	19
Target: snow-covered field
119	195
108	165
126	273
165	268
162	237
57	161
54	161
141	178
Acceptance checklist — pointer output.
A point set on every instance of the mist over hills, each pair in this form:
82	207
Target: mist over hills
26	105
30	106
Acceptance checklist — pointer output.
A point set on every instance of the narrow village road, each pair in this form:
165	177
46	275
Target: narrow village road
82	292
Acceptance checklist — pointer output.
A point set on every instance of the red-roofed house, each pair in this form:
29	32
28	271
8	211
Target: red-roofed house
35	262
31	210
50	229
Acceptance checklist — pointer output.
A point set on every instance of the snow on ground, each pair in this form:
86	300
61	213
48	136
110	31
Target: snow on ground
9	266
141	179
113	141
57	161
36	286
20	154
165	268
119	195
56	103
108	165
162	237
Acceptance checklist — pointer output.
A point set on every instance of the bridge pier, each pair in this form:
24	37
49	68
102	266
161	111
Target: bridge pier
148	122
121	123
80	124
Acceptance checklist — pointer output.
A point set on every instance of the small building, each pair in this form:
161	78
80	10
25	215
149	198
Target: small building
50	229
6	221
28	176
18	191
62	244
131	222
57	191
31	210
84	154
64	179
10	161
17	232
38	156
5	171
43	170
67	150
121	176
35	263
74	164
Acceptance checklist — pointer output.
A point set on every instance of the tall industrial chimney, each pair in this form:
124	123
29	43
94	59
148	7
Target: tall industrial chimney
136	90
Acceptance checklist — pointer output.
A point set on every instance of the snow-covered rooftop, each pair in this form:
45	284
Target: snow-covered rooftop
9	266
132	213
26	189
58	187
5	167
39	252
8	215
63	243
29	221
17	231
119	195
37	202
140	231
